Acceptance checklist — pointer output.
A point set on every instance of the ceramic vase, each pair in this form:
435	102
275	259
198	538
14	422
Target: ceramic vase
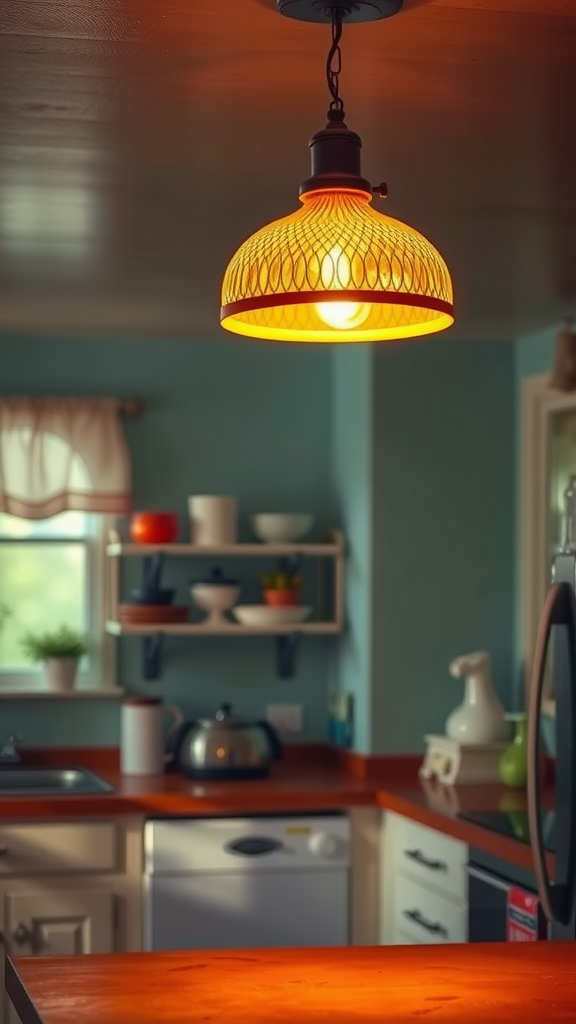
513	765
60	673
479	719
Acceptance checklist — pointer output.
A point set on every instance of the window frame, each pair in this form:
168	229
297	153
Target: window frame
102	673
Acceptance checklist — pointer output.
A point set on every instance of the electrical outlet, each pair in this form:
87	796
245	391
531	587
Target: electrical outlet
286	718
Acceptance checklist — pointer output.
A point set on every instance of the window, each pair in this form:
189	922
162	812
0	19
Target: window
51	573
64	471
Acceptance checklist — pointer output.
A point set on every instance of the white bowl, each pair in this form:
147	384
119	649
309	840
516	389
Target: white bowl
214	599
266	615
281	527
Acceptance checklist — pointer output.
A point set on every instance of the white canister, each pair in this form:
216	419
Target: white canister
142	735
213	520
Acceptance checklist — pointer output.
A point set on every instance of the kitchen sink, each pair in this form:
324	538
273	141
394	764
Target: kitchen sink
19	780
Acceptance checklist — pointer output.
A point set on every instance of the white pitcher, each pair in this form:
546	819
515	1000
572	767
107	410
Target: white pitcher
142	737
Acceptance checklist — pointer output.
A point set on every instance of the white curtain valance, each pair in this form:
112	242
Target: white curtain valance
60	454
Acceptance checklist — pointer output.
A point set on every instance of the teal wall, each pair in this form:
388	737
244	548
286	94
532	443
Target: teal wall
443	554
221	417
533	354
423	457
352	465
410	448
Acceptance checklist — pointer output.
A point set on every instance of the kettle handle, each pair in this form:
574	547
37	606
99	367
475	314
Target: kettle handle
273	738
177	718
173	741
170	736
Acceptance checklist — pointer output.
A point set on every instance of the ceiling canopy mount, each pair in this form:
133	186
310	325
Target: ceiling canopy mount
350	11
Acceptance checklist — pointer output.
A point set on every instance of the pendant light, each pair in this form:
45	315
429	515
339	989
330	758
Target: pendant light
336	270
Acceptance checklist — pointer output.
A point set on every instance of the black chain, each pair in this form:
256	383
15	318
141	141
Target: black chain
334	65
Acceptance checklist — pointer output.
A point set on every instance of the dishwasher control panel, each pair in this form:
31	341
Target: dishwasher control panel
246	844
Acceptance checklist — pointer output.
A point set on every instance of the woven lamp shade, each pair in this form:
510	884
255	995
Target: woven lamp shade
336	270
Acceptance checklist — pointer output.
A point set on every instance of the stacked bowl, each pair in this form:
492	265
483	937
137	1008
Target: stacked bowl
152	607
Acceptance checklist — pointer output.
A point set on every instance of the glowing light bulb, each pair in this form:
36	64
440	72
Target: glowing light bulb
343	316
336	275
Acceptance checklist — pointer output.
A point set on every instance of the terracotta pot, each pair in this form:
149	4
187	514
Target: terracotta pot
282	598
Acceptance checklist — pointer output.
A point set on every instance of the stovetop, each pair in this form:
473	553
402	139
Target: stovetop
513	825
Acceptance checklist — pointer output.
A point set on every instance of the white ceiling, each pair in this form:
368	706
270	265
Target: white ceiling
140	142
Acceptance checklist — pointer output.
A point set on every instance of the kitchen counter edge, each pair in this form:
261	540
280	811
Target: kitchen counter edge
290	791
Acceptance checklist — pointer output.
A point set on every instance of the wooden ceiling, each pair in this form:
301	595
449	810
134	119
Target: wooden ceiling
142	140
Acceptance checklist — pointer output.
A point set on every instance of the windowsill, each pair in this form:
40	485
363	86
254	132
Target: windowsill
38	693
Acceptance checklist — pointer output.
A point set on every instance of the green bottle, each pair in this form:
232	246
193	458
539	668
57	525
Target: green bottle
513	764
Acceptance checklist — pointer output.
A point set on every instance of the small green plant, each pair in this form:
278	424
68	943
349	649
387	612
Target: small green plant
62	643
281	581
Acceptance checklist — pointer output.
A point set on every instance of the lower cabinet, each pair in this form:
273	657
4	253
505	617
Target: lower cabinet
422	916
64	910
423	884
40	920
58	921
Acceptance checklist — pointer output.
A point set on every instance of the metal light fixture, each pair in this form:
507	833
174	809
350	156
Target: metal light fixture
336	270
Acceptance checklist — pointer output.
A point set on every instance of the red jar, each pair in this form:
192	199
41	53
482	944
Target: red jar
154	527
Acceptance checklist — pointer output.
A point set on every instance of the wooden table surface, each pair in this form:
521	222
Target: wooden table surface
514	983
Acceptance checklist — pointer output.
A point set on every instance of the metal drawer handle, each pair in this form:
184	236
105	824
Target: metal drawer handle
433	927
418	856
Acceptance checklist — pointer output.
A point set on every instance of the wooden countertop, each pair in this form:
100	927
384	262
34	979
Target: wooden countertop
306	788
468	984
302	784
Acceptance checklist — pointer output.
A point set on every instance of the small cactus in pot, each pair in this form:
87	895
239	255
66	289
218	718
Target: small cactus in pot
281	589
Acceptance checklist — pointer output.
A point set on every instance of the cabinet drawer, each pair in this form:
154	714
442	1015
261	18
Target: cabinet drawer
424	916
435	860
55	848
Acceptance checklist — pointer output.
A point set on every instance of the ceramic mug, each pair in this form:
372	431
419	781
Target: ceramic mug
213	520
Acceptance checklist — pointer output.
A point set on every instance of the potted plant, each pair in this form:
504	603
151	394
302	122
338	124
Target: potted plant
281	589
59	652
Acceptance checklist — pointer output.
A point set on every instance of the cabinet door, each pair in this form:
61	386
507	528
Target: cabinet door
54	922
58	922
423	887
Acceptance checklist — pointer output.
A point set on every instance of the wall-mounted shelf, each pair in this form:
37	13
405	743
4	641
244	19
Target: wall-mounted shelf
330	550
230	629
287	636
39	693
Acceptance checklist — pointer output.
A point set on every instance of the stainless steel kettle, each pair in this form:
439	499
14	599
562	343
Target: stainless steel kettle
225	747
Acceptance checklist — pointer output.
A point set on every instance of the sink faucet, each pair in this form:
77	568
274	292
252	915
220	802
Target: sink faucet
9	753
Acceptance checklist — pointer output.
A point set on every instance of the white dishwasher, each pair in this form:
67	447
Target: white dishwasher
241	883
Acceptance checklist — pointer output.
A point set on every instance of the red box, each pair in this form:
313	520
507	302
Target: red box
525	921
